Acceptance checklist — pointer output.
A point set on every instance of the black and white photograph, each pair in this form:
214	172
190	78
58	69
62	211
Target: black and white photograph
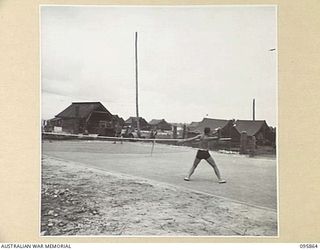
159	120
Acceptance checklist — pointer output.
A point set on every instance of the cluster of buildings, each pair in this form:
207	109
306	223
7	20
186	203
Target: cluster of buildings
94	118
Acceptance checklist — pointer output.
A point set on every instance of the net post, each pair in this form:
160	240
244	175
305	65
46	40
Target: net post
153	142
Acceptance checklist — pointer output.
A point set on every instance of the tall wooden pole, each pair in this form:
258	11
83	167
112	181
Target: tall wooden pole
137	99
254	109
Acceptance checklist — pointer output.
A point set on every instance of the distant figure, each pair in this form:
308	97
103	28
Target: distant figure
129	131
153	134
203	153
118	129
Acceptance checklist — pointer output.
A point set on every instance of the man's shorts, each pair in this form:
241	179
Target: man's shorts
202	154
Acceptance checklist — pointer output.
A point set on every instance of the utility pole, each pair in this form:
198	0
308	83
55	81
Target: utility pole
137	99
254	109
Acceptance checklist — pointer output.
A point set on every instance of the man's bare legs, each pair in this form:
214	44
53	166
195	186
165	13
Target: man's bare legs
194	166
215	168
211	162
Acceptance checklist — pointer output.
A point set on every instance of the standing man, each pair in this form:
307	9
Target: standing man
203	153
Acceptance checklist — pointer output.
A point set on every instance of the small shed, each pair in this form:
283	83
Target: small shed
160	124
51	124
132	122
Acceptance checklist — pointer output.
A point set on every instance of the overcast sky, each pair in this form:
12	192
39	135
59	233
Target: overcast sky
194	62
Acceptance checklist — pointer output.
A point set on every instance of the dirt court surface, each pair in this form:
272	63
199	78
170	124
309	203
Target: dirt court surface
98	188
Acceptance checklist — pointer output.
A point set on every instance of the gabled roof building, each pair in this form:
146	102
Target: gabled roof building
257	128
87	117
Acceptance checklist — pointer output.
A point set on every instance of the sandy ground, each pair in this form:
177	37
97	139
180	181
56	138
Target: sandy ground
78	199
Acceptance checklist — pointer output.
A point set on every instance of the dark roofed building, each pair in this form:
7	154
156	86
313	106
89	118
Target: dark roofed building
49	125
132	122
192	126
226	126
160	124
118	120
213	124
91	117
82	110
257	128
55	122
